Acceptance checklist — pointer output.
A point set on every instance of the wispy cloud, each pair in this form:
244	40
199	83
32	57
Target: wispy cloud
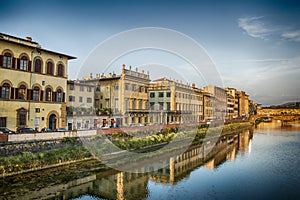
292	35
278	78
258	27
254	27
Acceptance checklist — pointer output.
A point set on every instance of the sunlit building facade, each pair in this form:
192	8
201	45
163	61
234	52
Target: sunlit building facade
33	83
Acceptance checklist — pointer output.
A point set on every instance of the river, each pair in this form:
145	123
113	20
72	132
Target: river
261	163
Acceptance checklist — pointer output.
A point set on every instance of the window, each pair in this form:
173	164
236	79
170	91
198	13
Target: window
89	100
161	105
133	88
48	94
38	66
7	60
60	70
21	92
50	69
97	89
59	96
23	63
71	98
72	87
21	117
152	105
117	104
36	93
116	87
80	99
168	106
140	88
152	94
100	106
89	89
126	86
168	94
3	121
37	110
5	91
160	94
81	89
126	104
106	103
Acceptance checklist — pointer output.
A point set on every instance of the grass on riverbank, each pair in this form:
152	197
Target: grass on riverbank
167	135
29	160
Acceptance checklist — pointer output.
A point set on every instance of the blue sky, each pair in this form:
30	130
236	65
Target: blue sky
255	45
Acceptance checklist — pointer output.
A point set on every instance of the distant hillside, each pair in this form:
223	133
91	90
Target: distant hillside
287	105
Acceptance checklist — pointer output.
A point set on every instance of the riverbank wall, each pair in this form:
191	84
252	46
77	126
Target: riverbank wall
18	157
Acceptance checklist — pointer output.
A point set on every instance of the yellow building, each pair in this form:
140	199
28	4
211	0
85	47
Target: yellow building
33	83
243	104
232	92
123	98
171	101
220	101
208	109
80	106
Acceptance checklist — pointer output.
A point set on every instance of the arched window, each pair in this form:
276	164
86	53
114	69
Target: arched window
60	70
36	93
59	95
23	63
7	60
5	91
50	69
38	66
48	94
21	92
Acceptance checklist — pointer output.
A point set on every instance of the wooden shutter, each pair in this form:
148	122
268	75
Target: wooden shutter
53	96
18	63
1	60
28	94
13	63
31	94
16	93
29	65
0	91
12	92
41	97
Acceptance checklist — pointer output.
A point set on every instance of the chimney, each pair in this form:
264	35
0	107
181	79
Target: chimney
143	71
130	67
91	75
123	69
136	69
29	38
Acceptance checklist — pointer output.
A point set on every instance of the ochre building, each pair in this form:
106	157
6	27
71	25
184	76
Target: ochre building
33	83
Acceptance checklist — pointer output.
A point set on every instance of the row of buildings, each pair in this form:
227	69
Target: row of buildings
35	92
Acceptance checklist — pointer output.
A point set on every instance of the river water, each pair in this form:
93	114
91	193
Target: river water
261	163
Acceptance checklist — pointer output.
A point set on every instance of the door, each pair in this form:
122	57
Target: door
52	122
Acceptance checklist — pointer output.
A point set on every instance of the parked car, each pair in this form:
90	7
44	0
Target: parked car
26	130
6	131
60	130
46	130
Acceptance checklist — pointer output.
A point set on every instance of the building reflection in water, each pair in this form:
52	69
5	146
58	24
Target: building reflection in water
112	184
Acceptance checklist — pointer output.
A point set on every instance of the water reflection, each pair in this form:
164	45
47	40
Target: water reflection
89	180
